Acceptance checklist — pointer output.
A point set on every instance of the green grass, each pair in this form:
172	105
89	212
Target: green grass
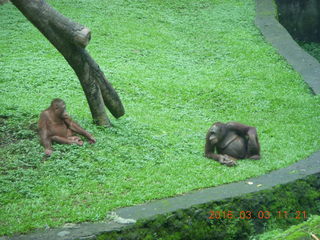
303	231
178	66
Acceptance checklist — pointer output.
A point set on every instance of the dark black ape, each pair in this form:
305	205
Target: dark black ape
232	141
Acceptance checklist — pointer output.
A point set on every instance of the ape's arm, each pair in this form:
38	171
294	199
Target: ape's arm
210	149
76	128
240	128
45	139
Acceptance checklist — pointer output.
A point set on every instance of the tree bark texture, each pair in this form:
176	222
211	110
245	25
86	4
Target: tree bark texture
70	39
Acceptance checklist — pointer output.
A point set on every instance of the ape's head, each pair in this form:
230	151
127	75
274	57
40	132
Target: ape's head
216	132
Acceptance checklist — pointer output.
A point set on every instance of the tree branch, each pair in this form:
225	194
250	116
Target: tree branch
70	39
3	1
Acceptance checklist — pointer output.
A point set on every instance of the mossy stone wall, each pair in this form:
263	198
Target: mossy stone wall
301	18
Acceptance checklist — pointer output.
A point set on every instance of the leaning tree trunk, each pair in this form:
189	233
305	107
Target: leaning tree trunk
3	1
70	39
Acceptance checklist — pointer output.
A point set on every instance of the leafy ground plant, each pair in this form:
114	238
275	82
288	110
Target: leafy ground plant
178	66
307	230
312	48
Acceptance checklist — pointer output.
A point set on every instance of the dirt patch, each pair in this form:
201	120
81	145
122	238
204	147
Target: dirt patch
17	128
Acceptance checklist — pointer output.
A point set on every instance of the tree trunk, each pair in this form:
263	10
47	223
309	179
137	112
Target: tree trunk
3	1
70	39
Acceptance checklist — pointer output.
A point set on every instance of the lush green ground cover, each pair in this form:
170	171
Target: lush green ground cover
312	48
307	230
178	66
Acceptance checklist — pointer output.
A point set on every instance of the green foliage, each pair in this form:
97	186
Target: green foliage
312	48
178	66
302	231
245	221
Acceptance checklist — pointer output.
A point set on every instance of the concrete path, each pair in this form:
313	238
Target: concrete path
277	35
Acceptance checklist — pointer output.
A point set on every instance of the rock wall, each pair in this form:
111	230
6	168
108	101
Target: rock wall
301	18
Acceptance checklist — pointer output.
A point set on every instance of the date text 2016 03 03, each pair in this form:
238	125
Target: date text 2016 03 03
257	215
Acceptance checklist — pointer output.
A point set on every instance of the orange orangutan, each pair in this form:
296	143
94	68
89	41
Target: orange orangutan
55	125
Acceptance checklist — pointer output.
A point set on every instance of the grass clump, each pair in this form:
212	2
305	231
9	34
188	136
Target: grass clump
308	230
178	66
